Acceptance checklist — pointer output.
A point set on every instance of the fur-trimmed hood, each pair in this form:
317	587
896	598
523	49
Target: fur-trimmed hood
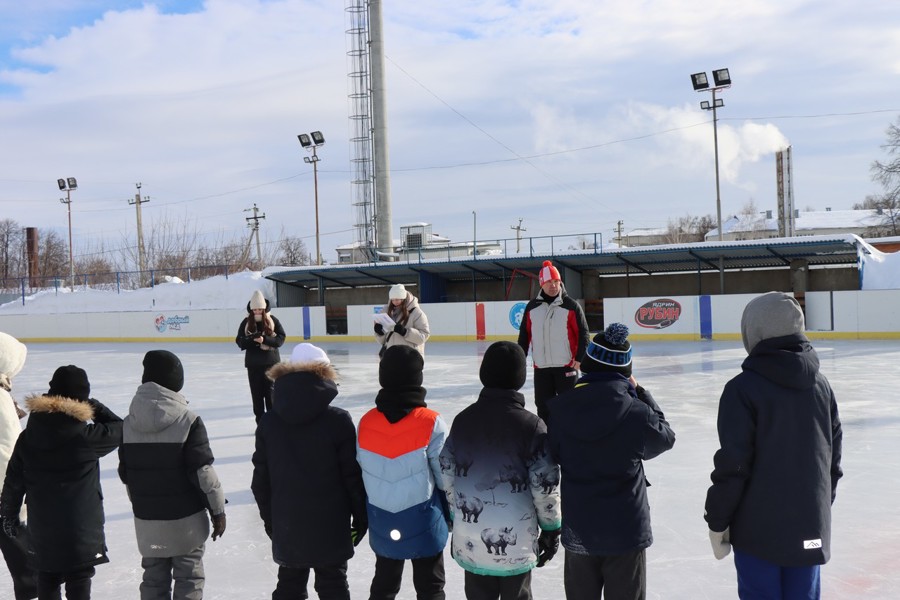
302	391
319	369
55	420
78	410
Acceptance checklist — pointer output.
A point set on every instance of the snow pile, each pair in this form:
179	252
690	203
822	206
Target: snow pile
879	270
219	292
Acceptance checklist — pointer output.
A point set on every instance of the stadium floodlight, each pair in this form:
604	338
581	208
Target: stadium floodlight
699	81
311	141
721	77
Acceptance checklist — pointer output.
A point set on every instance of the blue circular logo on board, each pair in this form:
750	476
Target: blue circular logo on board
516	313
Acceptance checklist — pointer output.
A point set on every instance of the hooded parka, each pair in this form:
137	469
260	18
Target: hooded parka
777	470
165	461
55	468
306	480
600	434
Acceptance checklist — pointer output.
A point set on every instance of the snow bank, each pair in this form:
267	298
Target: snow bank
218	292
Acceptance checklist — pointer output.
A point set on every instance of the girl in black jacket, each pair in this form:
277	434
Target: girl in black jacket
260	336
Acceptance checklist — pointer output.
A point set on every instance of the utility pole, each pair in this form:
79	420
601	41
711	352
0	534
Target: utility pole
254	227
138	200
619	231
519	229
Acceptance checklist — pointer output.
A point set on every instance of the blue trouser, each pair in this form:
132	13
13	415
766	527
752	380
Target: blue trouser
759	579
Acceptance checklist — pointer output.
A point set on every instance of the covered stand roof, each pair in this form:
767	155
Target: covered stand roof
699	256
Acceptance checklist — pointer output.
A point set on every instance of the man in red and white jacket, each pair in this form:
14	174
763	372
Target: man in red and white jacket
557	332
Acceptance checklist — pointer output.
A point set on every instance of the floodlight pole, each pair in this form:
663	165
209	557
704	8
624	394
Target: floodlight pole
700	82
68	185
315	163
310	143
716	152
71	258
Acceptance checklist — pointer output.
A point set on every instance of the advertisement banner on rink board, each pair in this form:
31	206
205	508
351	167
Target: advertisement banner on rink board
658	314
165	323
654	316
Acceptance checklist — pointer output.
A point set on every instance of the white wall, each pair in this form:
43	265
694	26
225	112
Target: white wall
857	314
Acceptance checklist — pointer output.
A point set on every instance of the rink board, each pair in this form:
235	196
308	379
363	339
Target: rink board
829	315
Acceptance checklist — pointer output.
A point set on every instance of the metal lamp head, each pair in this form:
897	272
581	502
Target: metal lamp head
700	81
304	140
317	138
721	77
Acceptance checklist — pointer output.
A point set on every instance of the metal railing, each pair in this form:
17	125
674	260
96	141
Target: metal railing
548	245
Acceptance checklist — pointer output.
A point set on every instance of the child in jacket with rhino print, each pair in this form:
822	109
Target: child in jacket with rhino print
501	484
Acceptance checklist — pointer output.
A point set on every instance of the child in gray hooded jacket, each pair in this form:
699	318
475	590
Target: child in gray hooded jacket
165	463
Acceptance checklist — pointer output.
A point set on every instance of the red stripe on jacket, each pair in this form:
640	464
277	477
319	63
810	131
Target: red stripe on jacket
412	432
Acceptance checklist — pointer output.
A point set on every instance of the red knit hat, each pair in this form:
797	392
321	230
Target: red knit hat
548	273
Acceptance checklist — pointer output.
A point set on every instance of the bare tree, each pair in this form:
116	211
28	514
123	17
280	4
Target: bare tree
292	252
688	229
12	242
887	174
53	254
889	211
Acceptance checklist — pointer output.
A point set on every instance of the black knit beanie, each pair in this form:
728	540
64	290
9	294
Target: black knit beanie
400	367
70	382
503	366
163	368
610	350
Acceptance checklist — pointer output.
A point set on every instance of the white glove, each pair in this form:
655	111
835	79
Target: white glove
721	543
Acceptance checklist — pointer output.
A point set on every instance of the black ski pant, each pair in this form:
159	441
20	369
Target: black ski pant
491	587
23	576
78	584
330	583
428	578
260	390
550	382
619	576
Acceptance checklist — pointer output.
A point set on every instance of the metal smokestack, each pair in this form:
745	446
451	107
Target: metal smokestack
32	256
384	241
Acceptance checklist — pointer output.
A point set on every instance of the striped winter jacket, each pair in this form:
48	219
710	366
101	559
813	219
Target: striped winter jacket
402	474
555	329
165	463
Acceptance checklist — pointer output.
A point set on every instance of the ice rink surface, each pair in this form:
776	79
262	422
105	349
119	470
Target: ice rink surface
686	379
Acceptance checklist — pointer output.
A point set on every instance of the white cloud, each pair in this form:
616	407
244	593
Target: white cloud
202	104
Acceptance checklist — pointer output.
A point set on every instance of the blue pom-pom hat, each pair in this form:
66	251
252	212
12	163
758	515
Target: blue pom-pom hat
610	350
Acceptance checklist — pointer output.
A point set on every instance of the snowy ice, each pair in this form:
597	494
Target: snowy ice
685	377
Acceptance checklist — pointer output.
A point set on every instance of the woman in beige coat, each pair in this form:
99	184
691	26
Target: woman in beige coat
410	324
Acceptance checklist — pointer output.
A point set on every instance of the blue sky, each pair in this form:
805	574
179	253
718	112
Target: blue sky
571	115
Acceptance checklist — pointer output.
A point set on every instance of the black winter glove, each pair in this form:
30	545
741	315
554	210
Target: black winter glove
379	329
218	522
548	545
358	529
399	329
11	526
